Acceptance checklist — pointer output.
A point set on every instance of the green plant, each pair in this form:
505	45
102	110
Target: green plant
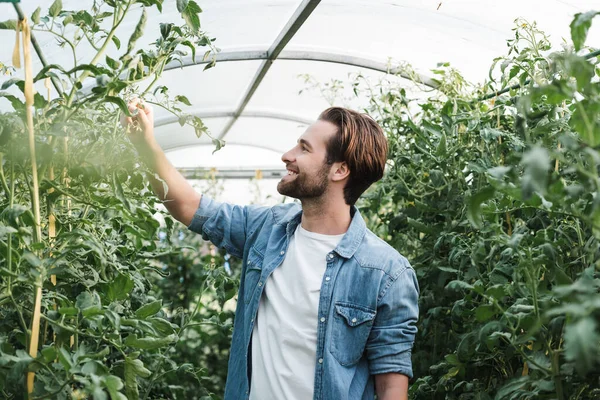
80	264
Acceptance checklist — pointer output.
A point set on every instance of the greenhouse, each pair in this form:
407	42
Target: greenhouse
336	200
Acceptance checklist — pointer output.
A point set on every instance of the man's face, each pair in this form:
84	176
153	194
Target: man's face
308	173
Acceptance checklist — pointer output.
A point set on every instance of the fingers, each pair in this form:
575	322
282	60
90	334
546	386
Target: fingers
143	118
133	105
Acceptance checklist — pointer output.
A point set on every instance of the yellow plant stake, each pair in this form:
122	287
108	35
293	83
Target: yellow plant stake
16	58
35	320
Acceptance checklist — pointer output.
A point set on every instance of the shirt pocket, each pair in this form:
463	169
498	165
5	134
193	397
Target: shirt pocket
350	331
253	272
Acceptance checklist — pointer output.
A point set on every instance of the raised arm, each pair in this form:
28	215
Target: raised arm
181	199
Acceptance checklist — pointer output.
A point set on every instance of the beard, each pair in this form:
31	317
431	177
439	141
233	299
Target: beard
303	186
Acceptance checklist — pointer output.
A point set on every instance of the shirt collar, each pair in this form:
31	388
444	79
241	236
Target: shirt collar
351	240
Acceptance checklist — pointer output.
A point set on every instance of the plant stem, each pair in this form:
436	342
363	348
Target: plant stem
556	374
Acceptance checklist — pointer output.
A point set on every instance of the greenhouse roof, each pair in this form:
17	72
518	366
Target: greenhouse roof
255	97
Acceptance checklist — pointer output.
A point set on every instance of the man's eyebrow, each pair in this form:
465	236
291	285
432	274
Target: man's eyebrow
304	142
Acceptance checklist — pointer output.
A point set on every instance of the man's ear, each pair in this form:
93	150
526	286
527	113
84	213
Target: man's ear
341	171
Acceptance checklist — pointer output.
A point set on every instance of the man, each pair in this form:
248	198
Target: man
326	310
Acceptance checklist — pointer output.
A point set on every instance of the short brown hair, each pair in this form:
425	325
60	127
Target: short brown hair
360	142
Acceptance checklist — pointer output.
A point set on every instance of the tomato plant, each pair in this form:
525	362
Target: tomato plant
81	244
495	200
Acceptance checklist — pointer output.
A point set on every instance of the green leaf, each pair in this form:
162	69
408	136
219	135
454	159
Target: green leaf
113	385
149	309
117	42
182	5
14	101
190	15
44	72
452	359
581	344
9	82
192	49
150	3
165	30
119	287
6	230
580	27
112	63
484	312
9	24
419	226
585	121
119	102
536	163
162	326
149	343
138	31
474	205
89	303
133	369
218	143
118	190
441	148
68	310
459	285
211	64
35	17
55	8
49	353
64	357
183	99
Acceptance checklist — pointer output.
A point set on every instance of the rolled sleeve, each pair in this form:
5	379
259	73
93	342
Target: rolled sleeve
221	223
392	336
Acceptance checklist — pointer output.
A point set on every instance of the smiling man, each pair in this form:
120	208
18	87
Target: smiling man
326	310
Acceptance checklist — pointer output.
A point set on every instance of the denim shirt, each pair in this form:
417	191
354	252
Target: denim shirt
368	297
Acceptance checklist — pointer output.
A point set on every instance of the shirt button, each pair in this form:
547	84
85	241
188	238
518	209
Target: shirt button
320	361
322	319
282	253
327	278
331	255
259	283
353	319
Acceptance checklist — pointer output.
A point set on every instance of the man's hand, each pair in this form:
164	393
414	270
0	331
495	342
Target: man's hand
181	199
140	127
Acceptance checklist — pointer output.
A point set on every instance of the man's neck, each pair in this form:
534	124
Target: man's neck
326	217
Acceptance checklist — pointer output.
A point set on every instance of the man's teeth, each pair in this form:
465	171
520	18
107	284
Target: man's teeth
291	172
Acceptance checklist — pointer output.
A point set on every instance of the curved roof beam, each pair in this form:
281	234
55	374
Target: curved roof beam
309	55
201	173
224	113
193	142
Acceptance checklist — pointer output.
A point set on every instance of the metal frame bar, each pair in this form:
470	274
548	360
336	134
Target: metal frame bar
300	16
37	48
218	113
167	149
310	55
242	173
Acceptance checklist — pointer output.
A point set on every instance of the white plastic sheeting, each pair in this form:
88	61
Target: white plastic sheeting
355	36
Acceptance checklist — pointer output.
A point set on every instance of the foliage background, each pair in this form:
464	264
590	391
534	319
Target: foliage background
496	202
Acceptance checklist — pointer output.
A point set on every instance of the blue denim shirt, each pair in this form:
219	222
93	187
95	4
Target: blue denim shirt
369	295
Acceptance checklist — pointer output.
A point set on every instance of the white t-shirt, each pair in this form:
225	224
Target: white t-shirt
284	339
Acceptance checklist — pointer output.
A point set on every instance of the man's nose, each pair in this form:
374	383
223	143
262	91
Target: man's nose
287	157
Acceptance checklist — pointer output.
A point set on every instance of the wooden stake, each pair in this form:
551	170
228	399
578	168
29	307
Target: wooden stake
35	320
